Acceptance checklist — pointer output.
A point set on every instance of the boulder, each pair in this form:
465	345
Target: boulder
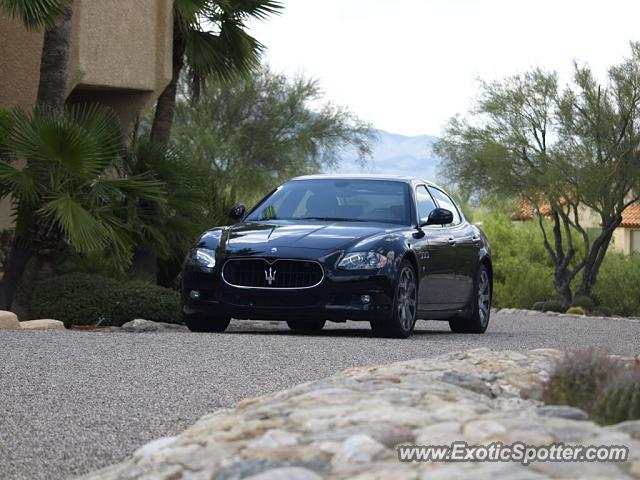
8	321
43	324
140	325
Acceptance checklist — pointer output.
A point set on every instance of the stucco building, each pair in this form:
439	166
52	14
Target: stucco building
121	55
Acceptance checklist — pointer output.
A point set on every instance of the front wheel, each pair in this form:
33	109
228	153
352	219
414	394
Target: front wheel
306	325
403	317
199	323
478	320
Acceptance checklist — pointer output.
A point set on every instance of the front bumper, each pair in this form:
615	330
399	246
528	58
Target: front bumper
337	298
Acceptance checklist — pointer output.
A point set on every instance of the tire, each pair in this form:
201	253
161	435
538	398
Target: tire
405	306
199	323
306	325
478	320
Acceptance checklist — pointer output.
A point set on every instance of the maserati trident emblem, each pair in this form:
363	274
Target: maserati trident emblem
270	275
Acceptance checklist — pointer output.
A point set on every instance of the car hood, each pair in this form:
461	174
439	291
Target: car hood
261	237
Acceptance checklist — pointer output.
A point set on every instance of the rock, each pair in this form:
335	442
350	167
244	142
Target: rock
44	324
274	439
348	426
562	411
467	381
287	473
8	321
357	449
140	325
632	427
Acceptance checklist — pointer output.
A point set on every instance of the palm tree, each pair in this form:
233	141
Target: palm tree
165	228
210	37
68	195
55	17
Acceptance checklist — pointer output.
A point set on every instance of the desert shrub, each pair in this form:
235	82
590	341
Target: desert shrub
617	285
580	377
619	402
584	302
522	273
538	306
576	311
602	311
88	299
553	306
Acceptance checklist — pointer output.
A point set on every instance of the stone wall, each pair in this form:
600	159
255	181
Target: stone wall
348	425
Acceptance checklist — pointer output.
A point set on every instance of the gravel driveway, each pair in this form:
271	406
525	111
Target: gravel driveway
71	401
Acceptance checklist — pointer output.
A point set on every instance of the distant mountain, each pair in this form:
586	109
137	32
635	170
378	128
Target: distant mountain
396	154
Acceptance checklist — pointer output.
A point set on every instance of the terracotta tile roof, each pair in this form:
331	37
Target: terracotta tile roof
631	217
523	210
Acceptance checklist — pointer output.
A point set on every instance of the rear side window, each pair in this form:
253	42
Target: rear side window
444	201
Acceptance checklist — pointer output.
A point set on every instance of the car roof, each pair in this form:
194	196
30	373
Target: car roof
365	176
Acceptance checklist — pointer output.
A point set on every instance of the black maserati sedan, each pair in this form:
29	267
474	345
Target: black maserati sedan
384	249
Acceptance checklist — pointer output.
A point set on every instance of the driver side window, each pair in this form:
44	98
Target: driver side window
425	202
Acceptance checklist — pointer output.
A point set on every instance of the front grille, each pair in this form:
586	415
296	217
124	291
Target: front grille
276	274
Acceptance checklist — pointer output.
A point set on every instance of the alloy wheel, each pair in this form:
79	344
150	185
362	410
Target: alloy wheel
406	302
484	297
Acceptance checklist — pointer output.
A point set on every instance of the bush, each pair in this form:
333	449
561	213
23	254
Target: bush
584	302
87	299
576	311
620	401
580	377
538	306
617	285
522	273
602	311
552	306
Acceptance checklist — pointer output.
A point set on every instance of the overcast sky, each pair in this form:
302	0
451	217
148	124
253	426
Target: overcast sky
408	65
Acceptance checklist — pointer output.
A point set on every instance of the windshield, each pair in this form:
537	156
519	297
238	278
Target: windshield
337	200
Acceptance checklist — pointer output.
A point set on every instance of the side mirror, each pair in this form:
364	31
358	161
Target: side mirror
237	211
438	216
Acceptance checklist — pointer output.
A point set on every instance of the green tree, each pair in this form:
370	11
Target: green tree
562	148
261	130
67	195
210	37
165	227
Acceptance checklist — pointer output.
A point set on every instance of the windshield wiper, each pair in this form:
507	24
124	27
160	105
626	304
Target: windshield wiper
334	219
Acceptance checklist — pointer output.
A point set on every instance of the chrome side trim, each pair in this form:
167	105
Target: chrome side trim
271	264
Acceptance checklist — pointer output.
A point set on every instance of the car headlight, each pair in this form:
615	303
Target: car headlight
202	257
362	261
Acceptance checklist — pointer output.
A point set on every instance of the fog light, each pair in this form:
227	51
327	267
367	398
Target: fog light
194	294
365	298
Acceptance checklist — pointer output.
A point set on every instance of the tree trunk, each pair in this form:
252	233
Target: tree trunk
595	257
145	262
30	275
52	94
19	255
54	65
563	287
166	105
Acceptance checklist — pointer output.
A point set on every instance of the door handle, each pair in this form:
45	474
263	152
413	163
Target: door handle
476	239
452	241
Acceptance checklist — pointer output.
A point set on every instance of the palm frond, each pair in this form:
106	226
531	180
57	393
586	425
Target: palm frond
82	142
17	182
34	14
224	55
188	11
258	9
142	186
83	230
